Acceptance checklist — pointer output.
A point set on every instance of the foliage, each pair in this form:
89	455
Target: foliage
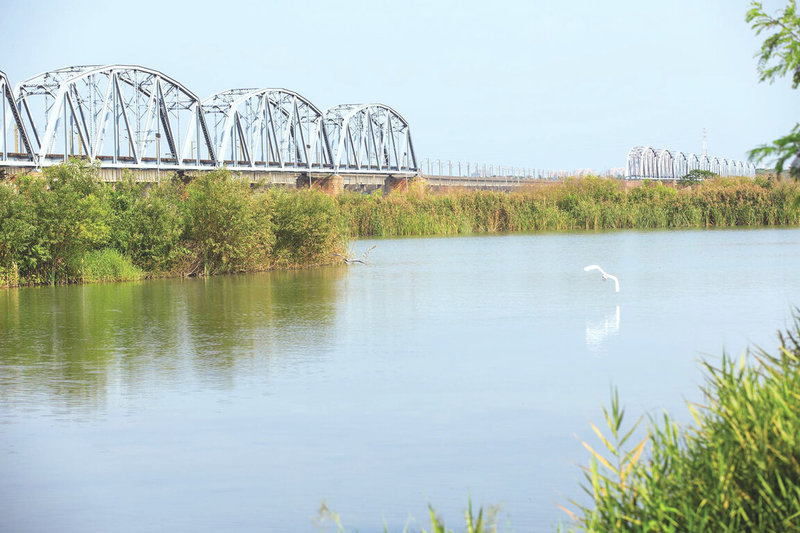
65	225
17	233
737	470
779	56
308	227
697	175
49	221
226	228
147	223
216	222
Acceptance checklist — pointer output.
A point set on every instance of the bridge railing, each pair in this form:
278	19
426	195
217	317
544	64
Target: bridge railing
467	169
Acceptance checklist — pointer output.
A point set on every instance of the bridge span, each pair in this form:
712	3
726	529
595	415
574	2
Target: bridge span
133	117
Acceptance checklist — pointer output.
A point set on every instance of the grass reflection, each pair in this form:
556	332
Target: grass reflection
71	345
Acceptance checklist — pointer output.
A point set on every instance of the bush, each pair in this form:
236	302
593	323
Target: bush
17	235
588	203
55	218
227	228
147	223
308	227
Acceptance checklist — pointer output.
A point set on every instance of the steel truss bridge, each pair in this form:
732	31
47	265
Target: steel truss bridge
645	162
132	117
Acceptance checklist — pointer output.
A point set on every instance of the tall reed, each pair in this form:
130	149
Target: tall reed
482	523
737	469
576	204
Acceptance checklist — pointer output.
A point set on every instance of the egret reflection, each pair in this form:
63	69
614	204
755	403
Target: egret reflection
598	331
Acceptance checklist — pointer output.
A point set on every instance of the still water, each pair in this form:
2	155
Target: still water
443	369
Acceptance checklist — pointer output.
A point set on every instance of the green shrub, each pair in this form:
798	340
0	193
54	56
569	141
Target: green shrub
17	235
147	224
227	228
57	217
577	203
696	175
308	227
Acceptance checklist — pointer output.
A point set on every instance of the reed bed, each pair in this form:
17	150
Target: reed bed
575	204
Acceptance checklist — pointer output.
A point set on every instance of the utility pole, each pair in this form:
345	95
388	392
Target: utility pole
705	144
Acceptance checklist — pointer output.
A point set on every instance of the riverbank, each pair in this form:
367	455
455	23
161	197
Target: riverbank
65	226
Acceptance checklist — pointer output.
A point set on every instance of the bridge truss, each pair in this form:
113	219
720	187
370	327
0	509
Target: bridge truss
645	162
128	116
124	116
370	137
267	128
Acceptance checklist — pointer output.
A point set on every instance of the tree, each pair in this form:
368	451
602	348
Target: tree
779	56
696	176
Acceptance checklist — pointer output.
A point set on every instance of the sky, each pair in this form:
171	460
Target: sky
548	85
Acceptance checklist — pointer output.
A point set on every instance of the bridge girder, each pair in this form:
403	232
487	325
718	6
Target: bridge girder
117	114
370	138
267	128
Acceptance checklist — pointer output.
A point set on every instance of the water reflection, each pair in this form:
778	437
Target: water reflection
598	331
70	343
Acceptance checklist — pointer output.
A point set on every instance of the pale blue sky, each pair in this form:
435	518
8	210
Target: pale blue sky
537	84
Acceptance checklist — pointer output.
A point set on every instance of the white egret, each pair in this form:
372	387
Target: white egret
604	273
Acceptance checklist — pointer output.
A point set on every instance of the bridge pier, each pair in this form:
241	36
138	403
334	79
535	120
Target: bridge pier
333	184
393	184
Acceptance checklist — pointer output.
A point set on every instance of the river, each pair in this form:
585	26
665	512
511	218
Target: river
443	369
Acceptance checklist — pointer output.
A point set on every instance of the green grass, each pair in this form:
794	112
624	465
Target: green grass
107	265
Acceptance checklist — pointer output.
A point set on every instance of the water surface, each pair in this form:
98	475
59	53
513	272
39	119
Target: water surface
444	368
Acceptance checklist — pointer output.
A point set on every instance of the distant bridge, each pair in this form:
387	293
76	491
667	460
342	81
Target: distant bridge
132	117
645	162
